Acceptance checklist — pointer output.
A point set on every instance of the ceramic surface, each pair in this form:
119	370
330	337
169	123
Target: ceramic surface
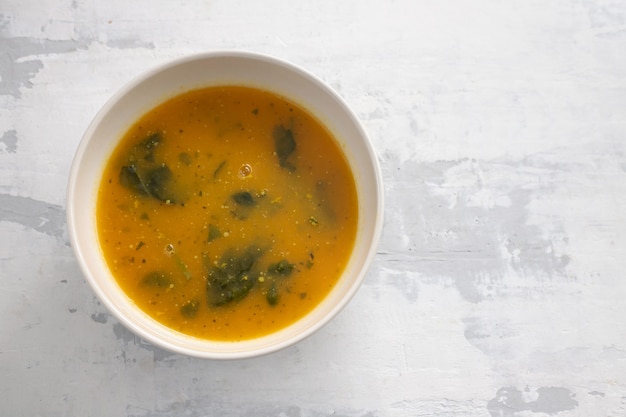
203	70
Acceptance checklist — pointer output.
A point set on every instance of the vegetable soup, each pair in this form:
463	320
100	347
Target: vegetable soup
227	213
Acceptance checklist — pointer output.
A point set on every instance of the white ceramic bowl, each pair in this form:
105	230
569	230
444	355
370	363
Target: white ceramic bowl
166	81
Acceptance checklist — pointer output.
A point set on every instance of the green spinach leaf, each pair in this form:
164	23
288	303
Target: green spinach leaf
190	308
130	179
243	198
233	277
148	146
282	268
284	145
272	295
214	233
157	279
159	184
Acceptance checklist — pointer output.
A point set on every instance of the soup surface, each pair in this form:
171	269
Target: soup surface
227	213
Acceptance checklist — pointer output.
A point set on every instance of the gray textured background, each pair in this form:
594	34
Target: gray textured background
498	288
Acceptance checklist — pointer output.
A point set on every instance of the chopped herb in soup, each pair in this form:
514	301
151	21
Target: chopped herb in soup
227	213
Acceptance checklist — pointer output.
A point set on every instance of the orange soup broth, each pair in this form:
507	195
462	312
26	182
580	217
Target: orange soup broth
217	142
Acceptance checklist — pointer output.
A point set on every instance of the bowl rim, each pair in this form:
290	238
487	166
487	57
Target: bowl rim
129	322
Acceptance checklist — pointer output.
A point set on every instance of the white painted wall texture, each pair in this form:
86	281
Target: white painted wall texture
498	289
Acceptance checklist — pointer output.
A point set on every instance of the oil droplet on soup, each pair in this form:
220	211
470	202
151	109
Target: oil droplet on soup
227	213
